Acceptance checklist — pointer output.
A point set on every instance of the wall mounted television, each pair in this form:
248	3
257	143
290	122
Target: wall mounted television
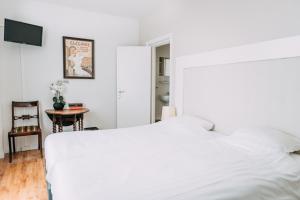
23	33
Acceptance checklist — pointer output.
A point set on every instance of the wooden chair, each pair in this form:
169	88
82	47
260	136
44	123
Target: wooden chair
20	131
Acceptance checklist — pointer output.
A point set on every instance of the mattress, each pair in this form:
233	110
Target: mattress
65	146
163	162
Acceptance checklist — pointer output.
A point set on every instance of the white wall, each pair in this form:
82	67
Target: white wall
43	65
10	84
1	140
202	25
1	98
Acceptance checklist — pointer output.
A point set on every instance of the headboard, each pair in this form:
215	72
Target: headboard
251	85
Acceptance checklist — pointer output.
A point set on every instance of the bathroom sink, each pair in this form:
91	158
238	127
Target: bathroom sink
164	98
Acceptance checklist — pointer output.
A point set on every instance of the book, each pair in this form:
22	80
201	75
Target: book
75	106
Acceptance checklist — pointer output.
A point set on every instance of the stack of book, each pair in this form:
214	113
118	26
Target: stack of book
75	106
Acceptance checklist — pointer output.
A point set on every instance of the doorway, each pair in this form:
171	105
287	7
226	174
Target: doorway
162	82
162	79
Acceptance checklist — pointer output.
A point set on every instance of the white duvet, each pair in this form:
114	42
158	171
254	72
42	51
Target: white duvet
165	161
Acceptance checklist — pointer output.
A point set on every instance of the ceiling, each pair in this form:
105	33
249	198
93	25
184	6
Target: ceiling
128	8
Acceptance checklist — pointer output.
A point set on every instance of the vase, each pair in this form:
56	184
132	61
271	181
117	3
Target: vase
58	106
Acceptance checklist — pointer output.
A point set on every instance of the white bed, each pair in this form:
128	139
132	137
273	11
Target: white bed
246	86
165	161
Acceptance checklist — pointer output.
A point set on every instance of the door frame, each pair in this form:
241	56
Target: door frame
154	43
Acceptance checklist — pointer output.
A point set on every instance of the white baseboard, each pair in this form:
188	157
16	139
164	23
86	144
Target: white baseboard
28	148
19	149
1	155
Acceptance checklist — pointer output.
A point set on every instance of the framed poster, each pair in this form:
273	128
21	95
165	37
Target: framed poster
78	58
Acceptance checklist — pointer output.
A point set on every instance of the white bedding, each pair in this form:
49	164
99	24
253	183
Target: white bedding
164	162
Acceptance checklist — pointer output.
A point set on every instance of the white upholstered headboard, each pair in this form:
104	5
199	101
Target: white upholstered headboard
251	85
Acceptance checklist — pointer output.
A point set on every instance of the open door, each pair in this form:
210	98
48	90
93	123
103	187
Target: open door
133	86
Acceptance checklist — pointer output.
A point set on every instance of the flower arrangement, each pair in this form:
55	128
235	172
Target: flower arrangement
58	88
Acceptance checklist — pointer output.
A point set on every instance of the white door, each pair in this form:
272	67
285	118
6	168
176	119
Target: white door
133	86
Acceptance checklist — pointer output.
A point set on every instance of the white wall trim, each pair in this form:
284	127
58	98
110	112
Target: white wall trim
159	41
154	43
273	49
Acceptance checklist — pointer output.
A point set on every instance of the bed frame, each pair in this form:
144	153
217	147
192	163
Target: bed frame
204	85
49	191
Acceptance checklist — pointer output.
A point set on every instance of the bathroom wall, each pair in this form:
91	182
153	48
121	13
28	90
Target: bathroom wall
162	82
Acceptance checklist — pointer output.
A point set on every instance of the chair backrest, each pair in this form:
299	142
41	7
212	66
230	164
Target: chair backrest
29	104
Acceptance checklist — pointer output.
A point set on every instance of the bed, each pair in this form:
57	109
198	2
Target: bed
180	159
167	160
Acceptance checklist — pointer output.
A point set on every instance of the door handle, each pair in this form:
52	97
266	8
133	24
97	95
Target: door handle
120	93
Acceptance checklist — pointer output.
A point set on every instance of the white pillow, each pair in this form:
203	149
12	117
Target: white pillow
265	140
191	122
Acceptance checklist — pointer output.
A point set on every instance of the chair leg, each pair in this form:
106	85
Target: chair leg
10	150
14	144
40	144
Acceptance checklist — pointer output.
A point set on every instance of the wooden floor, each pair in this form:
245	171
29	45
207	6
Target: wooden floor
24	178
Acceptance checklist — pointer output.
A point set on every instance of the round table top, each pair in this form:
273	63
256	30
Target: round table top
67	111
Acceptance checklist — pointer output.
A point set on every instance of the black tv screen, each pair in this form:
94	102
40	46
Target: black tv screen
24	33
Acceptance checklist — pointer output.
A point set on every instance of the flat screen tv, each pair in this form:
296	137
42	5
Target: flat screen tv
24	33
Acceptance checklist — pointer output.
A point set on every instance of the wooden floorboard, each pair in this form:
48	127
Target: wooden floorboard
24	178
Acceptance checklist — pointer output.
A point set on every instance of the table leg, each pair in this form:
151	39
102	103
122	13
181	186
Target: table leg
54	123
60	127
81	122
74	123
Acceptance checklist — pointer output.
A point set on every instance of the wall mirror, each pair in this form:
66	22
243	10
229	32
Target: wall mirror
164	66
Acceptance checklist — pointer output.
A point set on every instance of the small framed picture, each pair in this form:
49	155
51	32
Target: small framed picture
78	58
